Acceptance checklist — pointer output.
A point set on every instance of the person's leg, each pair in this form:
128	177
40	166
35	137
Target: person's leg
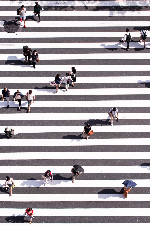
33	64
39	17
57	87
73	178
111	120
19	100
127	45
144	43
20	18
24	23
10	191
7	98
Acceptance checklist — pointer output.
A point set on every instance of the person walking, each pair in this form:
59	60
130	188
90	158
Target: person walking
127	38
37	9
5	95
48	176
113	113
143	36
23	15
35	58
10	183
73	75
57	81
9	133
30	98
17	97
29	213
76	171
87	130
27	52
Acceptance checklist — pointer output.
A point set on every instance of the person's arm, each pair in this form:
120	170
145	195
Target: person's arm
14	96
9	93
33	98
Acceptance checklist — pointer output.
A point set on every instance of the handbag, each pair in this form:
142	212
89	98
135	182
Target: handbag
90	133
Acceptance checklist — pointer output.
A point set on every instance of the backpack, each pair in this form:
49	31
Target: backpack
128	38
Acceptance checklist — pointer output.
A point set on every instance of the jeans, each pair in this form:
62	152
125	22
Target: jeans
7	99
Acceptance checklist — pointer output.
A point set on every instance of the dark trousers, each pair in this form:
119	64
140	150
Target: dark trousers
19	100
128	44
34	63
38	15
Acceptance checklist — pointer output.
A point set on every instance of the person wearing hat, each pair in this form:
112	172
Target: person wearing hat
113	113
127	38
37	9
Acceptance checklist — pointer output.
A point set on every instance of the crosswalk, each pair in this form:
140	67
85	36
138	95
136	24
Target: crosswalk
86	35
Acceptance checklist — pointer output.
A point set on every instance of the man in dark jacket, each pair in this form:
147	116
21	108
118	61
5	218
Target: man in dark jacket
37	9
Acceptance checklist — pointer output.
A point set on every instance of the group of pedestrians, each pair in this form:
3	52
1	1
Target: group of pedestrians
22	12
68	80
127	37
18	97
30	56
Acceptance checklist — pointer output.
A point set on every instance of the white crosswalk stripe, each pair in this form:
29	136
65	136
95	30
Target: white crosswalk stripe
85	35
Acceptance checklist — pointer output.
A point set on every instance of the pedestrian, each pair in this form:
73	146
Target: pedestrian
10	183
27	52
48	176
37	9
29	213
73	75
57	81
113	113
65	78
17	97
143	36
127	38
23	15
76	171
35	58
9	133
87	131
30	98
128	185
5	95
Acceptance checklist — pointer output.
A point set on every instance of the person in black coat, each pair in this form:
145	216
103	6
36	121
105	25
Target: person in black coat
86	130
35	58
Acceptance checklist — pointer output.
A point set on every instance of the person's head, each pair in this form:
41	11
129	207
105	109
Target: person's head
36	3
58	75
22	7
114	109
29	209
73	70
17	90
127	30
67	74
88	125
30	92
34	52
7	178
5	88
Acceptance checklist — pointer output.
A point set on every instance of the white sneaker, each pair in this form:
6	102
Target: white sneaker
111	124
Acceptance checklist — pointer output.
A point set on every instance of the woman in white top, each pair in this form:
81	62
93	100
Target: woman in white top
30	98
23	14
10	183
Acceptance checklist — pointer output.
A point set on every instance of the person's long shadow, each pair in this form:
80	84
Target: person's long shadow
76	137
11	26
146	83
93	122
107	193
3	136
16	219
13	60
145	166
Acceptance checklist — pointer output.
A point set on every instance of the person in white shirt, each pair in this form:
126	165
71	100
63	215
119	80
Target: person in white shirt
113	113
143	36
10	183
23	14
30	97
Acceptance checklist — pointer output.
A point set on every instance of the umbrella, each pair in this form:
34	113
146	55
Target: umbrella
129	183
78	168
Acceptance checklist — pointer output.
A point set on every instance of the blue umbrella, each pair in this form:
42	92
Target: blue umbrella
129	183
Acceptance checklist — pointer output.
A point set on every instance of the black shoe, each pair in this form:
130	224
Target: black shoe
7	106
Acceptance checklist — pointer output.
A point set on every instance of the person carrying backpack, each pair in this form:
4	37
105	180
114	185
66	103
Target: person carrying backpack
143	37
127	38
